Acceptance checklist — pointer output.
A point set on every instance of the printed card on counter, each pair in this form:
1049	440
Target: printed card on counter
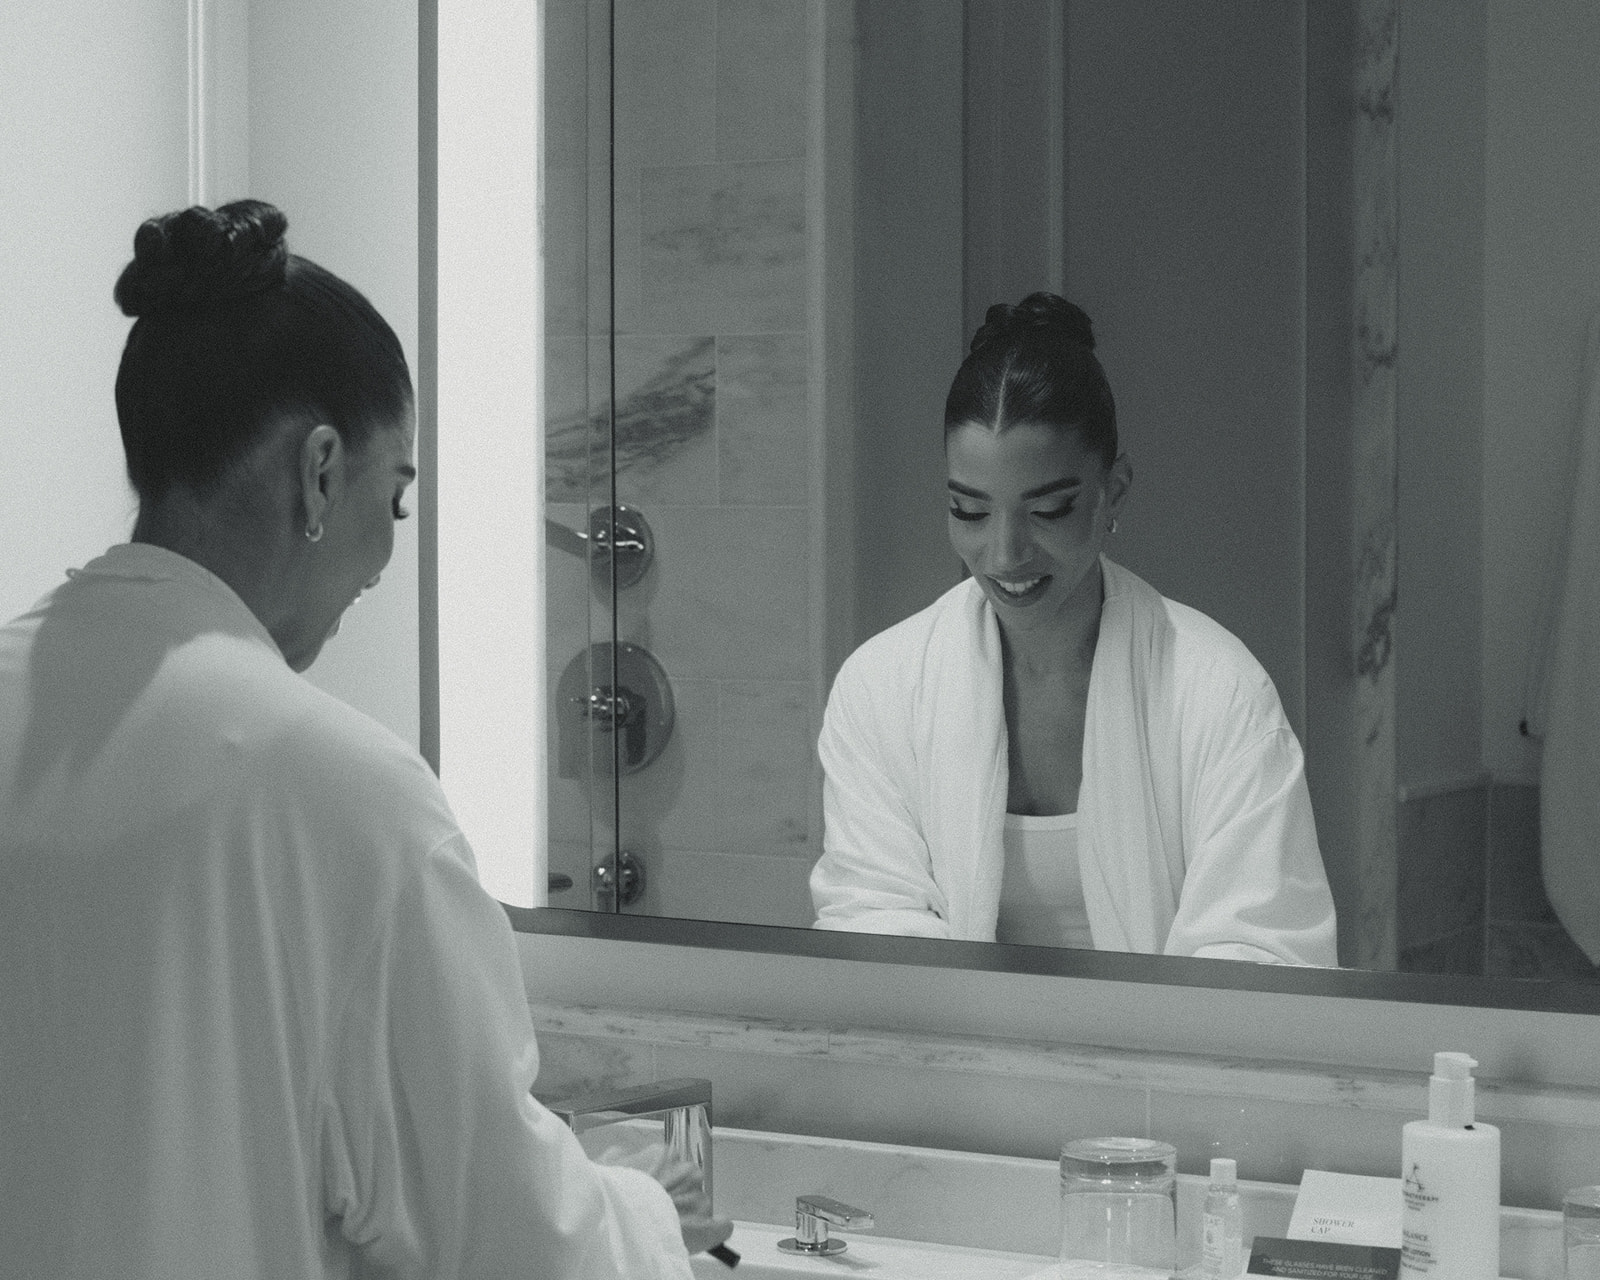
1344	1208
1322	1260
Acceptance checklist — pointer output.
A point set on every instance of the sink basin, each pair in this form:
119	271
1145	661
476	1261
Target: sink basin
869	1256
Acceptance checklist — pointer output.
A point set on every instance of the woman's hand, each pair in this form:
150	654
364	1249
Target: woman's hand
682	1181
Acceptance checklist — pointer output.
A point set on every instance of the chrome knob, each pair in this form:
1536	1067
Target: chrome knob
610	707
616	709
619	545
623	544
622	886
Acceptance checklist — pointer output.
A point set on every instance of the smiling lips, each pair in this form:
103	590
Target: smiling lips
1020	591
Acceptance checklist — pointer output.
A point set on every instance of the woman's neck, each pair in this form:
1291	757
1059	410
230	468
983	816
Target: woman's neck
233	546
1064	642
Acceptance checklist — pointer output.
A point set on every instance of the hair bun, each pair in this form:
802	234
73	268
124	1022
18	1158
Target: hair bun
199	258
1035	312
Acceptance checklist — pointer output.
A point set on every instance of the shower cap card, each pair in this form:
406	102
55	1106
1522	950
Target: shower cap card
1322	1260
1346	1208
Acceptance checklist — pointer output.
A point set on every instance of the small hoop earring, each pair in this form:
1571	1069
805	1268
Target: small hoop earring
314	534
1110	528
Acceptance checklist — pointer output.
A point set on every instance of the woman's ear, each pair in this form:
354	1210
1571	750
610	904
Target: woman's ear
1119	479
322	475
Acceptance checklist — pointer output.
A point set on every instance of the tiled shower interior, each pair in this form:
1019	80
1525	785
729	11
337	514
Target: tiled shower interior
714	437
1472	897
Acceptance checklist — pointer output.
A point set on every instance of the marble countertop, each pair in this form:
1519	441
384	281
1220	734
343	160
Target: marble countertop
1002	1205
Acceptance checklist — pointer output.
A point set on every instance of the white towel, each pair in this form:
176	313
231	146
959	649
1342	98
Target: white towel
1564	690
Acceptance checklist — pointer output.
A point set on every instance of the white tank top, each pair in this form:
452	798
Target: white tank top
1041	889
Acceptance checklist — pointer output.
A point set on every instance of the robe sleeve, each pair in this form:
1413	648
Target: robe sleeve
876	872
436	1160
1254	886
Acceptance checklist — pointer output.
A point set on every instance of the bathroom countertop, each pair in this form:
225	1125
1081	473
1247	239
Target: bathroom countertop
1006	1204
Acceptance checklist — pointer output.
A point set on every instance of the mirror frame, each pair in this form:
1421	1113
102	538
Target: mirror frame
1540	995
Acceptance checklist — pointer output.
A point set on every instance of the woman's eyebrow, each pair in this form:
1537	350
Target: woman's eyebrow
1055	486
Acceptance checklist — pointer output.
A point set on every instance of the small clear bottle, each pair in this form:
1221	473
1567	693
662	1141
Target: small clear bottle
1221	1229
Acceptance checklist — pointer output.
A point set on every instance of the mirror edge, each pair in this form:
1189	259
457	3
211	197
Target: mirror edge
1525	995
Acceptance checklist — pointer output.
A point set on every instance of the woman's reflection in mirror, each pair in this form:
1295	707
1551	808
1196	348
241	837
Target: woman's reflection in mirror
1052	752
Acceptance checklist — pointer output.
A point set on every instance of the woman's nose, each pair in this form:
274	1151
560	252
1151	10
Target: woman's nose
1013	544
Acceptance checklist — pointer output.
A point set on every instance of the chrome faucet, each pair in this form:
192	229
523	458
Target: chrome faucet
683	1105
812	1215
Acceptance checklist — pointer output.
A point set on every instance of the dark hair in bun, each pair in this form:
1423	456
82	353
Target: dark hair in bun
234	334
1035	362
199	258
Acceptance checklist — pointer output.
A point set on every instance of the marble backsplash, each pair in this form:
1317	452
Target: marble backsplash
1023	1098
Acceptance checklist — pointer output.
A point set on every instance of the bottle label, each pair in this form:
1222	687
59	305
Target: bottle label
1417	1255
1221	1255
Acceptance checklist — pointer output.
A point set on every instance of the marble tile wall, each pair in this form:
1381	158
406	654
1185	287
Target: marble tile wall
690	315
1373	550
1023	1098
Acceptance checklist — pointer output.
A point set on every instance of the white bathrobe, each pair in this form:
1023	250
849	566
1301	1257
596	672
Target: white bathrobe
1195	829
257	1017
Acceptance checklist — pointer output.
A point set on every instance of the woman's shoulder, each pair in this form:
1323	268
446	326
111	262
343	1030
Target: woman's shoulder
333	733
1202	641
1196	640
316	747
1220	685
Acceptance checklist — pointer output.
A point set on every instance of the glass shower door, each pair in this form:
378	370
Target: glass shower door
580	590
683	456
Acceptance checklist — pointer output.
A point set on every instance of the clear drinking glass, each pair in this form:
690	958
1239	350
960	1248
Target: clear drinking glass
1118	1207
1580	1226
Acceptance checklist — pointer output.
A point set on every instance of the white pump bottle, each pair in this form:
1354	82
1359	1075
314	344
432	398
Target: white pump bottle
1450	1172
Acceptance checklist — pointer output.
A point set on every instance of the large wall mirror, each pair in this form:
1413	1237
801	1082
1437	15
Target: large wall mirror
1336	255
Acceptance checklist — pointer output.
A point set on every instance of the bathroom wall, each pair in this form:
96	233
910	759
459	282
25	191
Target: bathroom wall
1186	242
332	136
93	139
1440	168
716	433
1443	786
96	137
1541	272
1500	277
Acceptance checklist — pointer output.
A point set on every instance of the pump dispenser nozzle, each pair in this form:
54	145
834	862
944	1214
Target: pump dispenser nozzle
1450	1090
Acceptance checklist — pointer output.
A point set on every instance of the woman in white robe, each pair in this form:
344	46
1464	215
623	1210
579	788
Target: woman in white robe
259	1018
1052	752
